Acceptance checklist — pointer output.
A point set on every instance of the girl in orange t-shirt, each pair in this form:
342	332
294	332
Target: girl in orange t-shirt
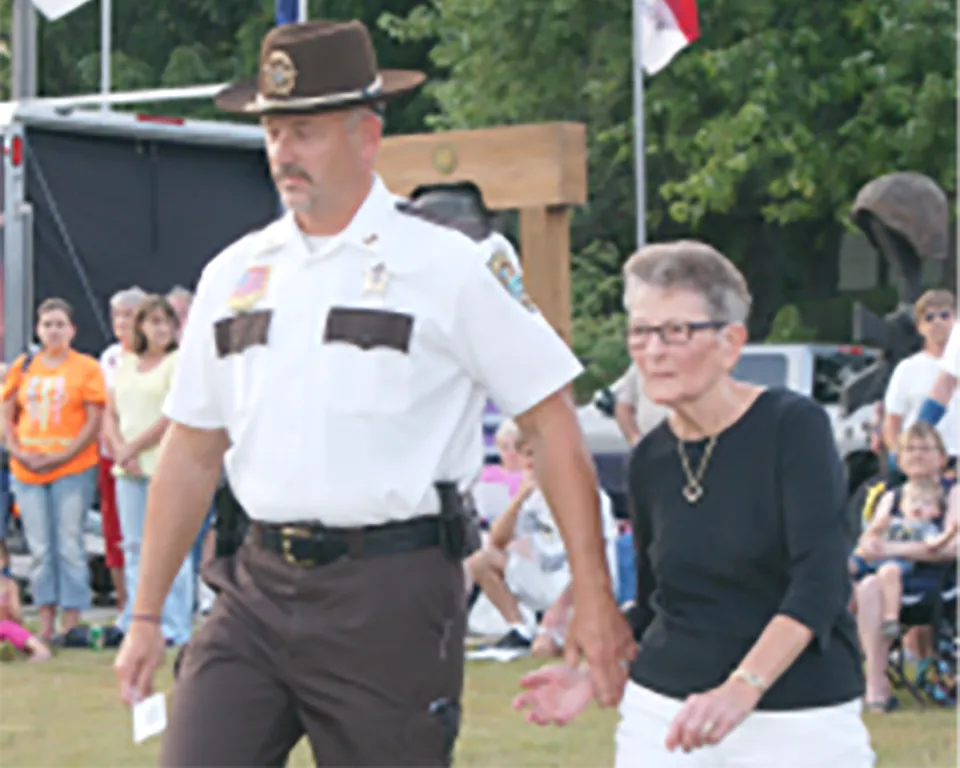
53	407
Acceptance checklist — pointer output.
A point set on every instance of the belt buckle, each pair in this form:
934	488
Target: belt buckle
289	534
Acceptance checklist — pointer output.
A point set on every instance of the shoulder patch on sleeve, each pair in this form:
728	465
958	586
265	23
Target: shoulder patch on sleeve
508	276
475	231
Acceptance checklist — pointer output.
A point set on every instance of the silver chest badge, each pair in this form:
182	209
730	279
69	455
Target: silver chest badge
376	279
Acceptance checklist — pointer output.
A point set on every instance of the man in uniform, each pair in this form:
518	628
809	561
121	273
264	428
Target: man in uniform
338	362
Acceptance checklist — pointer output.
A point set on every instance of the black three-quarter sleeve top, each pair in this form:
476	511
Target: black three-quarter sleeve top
767	537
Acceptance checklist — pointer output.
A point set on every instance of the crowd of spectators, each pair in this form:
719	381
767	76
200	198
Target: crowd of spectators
78	430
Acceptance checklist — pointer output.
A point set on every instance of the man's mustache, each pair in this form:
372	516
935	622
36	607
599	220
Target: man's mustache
292	172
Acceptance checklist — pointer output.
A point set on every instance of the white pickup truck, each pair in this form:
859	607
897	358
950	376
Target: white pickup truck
820	371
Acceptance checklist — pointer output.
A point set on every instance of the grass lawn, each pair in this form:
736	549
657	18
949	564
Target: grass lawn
66	713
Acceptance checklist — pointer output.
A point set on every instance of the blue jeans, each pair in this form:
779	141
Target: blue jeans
53	517
177	618
4	502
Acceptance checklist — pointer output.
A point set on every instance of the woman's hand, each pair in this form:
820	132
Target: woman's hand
131	466
49	461
707	718
553	628
25	456
29	459
124	452
555	694
872	548
527	485
545	646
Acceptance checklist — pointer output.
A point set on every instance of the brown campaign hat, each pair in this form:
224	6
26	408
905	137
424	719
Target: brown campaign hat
316	66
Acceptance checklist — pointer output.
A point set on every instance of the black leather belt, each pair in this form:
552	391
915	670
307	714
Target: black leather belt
311	545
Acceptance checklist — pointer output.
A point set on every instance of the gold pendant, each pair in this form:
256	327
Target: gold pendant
692	493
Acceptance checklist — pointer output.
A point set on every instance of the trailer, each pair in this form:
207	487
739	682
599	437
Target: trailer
94	201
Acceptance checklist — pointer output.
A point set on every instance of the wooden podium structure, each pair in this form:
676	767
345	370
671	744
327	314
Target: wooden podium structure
540	170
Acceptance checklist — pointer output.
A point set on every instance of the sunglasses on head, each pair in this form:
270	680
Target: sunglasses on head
943	314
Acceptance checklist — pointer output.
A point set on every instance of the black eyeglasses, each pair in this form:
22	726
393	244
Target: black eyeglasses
671	333
943	314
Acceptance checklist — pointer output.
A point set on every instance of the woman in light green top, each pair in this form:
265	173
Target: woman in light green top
135	426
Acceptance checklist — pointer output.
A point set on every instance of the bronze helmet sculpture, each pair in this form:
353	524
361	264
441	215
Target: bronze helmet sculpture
905	216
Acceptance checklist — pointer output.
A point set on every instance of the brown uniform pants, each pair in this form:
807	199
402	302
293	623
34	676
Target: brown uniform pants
365	657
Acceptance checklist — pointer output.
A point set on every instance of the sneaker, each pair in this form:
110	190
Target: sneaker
892	704
513	640
112	636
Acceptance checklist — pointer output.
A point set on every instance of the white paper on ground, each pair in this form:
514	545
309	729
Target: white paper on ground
149	717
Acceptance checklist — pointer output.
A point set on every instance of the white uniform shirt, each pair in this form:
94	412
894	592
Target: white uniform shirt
910	385
328	425
496	244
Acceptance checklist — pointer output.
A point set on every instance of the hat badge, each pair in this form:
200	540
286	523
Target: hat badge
279	74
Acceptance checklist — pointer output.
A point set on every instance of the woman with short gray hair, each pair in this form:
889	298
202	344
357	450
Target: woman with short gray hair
747	651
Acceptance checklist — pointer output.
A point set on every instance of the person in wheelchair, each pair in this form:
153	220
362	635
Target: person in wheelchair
922	459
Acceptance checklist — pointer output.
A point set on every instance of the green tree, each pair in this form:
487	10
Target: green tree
788	327
798	103
757	138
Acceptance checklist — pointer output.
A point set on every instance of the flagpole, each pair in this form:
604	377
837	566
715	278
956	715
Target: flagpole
106	45
639	147
23	51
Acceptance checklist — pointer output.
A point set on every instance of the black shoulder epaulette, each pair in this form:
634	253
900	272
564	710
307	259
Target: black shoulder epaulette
476	231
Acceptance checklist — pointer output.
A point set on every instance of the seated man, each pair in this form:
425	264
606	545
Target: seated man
524	561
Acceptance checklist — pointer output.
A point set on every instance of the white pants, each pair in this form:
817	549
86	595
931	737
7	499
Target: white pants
826	737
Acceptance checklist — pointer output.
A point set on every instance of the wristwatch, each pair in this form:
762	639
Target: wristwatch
750	678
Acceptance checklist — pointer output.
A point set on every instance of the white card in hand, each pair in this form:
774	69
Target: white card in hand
149	717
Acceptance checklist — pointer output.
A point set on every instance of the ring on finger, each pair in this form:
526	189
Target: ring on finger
707	728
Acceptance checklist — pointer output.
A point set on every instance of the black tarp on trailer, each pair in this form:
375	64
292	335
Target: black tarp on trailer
111	212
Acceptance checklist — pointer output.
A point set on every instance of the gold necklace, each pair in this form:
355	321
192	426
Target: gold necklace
693	489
